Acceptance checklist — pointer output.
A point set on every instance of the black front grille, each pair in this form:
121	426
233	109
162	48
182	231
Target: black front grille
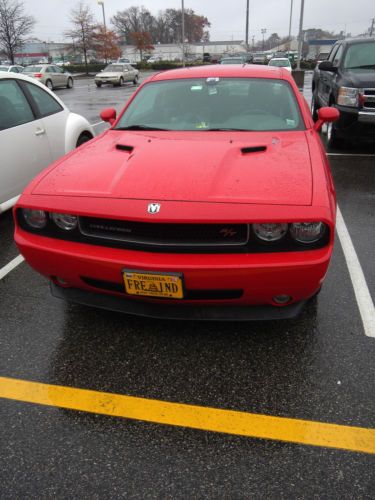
160	234
369	99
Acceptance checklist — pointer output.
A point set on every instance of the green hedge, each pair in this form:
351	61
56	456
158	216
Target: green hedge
81	68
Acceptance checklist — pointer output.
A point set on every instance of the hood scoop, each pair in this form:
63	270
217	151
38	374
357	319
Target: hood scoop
124	147
253	149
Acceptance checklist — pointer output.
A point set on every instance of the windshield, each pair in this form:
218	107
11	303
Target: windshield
214	104
281	63
117	68
360	56
32	69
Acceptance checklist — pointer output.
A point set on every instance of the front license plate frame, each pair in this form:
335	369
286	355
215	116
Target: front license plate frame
154	284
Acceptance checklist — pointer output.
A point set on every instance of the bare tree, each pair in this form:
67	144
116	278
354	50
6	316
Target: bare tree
83	30
14	26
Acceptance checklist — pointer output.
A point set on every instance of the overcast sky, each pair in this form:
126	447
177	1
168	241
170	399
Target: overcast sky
227	18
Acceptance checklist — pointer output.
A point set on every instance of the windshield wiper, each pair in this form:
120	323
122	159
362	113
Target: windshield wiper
140	127
225	129
365	66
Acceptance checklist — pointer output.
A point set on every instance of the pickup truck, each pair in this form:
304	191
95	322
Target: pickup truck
346	80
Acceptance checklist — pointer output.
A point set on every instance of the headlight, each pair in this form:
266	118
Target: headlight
66	222
36	219
348	97
270	231
307	232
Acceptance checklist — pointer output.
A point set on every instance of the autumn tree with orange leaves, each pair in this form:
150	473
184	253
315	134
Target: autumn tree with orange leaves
106	44
142	41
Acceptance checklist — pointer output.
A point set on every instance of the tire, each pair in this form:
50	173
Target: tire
314	109
69	83
84	137
49	84
98	84
333	140
120	82
135	81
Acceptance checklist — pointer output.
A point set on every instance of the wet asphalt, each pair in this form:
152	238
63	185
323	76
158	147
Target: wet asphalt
317	367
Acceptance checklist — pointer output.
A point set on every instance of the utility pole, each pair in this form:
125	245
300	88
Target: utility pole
247	25
290	24
101	2
300	35
183	32
372	26
264	31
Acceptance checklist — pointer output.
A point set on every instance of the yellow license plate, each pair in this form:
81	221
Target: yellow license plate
151	284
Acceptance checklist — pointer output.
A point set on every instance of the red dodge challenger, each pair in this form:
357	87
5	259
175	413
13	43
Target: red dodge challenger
210	197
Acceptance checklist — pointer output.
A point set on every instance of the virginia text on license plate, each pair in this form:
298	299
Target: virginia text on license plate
153	284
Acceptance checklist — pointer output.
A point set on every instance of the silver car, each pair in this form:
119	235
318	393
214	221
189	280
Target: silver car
51	75
117	74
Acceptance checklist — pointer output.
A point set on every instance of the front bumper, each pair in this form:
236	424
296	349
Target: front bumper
258	278
355	123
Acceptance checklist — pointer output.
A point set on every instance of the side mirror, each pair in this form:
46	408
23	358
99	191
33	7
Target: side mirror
326	115
108	115
327	66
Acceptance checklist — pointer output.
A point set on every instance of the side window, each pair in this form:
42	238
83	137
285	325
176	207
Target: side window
46	104
14	108
56	69
14	70
338	55
332	53
49	70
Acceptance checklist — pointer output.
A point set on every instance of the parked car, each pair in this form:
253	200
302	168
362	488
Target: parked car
281	62
154	59
36	128
50	75
346	81
233	60
11	69
117	74
259	58
209	197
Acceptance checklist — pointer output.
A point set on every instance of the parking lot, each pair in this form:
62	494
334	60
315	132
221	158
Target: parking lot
295	374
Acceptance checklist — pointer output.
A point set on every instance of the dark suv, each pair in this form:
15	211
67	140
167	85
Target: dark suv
346	80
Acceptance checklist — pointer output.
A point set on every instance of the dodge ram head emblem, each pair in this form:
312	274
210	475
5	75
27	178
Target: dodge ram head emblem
228	232
153	208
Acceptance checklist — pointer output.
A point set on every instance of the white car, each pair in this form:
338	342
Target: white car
116	74
36	128
281	62
11	69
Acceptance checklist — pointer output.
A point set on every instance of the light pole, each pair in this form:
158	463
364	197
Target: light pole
300	36
290	24
247	25
264	31
183	32
101	2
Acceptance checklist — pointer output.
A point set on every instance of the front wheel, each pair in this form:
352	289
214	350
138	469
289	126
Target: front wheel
314	109
135	81
333	140
69	83
98	84
49	84
84	137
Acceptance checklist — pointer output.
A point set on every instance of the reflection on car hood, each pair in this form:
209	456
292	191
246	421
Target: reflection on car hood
188	166
360	77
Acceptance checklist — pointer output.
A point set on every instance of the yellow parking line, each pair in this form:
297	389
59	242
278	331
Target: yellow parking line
196	417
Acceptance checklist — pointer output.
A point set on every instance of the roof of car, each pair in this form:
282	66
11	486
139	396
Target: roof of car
353	41
222	71
21	76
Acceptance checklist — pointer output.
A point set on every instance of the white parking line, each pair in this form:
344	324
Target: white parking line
362	293
10	266
96	124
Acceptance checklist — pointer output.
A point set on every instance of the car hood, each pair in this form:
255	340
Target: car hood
361	78
222	167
